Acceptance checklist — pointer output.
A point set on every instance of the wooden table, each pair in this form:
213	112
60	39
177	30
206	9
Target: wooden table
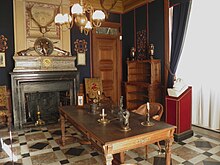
110	139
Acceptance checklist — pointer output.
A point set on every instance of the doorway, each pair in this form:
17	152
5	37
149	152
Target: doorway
107	58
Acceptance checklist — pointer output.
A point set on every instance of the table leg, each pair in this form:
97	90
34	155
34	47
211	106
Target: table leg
109	158
62	125
168	144
122	157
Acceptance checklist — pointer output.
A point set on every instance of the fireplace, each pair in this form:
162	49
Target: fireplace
44	89
46	103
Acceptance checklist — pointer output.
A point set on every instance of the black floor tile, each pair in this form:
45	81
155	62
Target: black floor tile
211	163
181	143
8	141
24	143
94	153
198	136
202	144
75	151
12	163
64	161
207	154
39	146
57	132
138	159
56	148
25	155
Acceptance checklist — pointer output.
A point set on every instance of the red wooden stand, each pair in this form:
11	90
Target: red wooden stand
179	113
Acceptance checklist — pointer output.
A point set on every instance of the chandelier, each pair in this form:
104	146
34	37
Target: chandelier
83	15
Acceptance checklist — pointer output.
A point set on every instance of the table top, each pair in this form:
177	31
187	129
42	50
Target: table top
111	131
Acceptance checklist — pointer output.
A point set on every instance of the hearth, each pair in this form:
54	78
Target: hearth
45	102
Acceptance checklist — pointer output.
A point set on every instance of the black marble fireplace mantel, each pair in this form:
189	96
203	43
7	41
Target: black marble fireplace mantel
42	81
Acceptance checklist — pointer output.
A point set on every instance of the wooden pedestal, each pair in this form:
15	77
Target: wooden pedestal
179	113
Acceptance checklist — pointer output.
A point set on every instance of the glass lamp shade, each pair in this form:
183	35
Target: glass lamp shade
76	9
59	19
98	16
67	18
62	19
88	25
87	28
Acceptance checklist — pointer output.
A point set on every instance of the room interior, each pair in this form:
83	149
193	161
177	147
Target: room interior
129	53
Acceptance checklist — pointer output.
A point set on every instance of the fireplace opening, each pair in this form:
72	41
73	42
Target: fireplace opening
47	104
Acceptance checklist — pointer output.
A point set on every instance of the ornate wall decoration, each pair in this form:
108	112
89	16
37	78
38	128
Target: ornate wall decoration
141	45
40	20
80	46
3	43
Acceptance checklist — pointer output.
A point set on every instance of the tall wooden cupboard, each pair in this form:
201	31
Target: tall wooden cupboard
143	82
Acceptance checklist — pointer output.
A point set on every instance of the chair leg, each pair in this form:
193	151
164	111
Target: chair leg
158	144
146	151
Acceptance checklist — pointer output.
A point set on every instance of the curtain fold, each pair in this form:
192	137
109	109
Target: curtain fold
180	21
199	64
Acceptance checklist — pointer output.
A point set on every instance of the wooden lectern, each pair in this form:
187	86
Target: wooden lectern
179	113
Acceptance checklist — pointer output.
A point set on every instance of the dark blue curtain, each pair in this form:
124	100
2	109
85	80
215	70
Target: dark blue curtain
180	21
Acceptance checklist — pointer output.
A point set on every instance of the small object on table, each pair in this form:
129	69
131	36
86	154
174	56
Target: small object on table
147	122
125	121
94	108
103	120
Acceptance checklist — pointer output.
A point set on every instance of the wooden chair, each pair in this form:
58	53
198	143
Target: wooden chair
5	107
156	112
94	91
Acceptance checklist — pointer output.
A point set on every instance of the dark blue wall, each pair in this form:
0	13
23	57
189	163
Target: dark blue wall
84	70
127	40
6	29
156	30
128	26
149	17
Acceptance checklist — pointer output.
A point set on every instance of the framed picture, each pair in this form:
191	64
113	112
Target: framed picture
2	59
81	58
80	100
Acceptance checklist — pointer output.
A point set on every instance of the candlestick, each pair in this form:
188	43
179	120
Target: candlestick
103	120
147	122
99	93
148	106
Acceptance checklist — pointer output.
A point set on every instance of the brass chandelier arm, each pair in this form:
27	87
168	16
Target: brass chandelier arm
84	16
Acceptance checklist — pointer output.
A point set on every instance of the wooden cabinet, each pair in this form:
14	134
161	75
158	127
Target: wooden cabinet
144	83
179	113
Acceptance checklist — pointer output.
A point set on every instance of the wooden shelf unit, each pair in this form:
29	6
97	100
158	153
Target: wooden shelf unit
144	83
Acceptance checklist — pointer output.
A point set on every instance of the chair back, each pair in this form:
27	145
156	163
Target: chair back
3	98
5	104
92	86
156	110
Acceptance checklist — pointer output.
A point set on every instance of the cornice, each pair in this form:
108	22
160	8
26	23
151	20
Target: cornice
122	6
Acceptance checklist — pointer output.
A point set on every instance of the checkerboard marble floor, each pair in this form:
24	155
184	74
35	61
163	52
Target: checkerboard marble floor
41	145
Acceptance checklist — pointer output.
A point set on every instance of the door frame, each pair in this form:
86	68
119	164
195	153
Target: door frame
119	54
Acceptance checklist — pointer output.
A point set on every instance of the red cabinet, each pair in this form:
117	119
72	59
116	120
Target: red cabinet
179	113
